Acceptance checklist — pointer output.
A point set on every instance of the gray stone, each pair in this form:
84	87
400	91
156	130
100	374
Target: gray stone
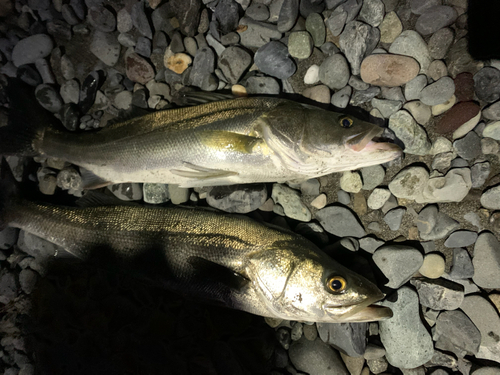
342	97
492	130
440	43
461	238
370	244
409	182
101	18
300	44
378	365
487	84
258	12
296	332
316	27
226	12
372	176
453	187
479	174
438	92
334	71
288	15
310	332
258	33
410	133
238	198
394	217
468	147
8	287
405	338
48	98
155	193
349	338
273	59
124	21
354	43
143	46
290	200
262	85
439	294
364	96
140	20
374	352
234	61
398	263
313	232
420	6
435	18
410	43
415	87
438	70
336	21
386	107
350	182
343	197
203	66
487	371
27	280
456	333
491	198
434	225
32	48
484	316
70	91
127	191
315	357
358	84
492	112
340	221
486	261
105	47
372	12
8	237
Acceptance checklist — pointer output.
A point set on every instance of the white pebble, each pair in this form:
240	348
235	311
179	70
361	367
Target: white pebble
377	198
433	266
312	75
319	202
351	182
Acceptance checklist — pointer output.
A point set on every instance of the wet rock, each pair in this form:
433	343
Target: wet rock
456	333
410	43
237	198
234	61
300	44
288	15
409	182
105	47
350	338
398	263
334	71
273	59
487	84
461	267
461	238
486	319
410	133
257	33
390	28
438	92
340	221
138	69
315	357
433	266
435	18
32	48
388	70
262	85
468	147
434	225
354	43
405	338
48	98
155	193
394	217
439	294
290	200
486	261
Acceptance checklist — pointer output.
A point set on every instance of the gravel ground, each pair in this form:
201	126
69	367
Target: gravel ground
424	227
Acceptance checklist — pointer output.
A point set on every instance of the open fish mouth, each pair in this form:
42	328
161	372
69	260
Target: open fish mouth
358	314
370	141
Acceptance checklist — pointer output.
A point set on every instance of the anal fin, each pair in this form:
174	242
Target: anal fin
201	173
91	181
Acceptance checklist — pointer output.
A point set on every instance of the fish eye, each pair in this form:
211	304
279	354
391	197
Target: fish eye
336	284
346	122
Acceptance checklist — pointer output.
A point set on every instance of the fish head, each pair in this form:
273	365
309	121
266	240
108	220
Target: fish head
297	283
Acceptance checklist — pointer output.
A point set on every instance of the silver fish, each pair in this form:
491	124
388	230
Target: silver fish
227	259
242	140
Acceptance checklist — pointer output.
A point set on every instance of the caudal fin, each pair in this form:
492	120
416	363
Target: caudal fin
27	121
9	194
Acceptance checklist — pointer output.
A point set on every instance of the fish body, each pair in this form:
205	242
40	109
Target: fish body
227	259
242	140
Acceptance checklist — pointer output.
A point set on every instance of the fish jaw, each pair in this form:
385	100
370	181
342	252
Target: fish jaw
358	314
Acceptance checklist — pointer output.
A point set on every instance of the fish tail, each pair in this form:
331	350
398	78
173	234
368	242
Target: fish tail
9	194
27	121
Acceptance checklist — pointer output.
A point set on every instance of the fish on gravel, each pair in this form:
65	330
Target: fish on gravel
228	260
220	142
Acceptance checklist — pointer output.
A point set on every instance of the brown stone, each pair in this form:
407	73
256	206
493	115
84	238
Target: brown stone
389	70
138	69
458	115
179	62
359	204
464	87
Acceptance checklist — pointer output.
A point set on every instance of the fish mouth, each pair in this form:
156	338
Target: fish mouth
358	314
367	141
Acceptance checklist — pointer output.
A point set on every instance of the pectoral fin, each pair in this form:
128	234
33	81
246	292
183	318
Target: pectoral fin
228	141
209	270
201	173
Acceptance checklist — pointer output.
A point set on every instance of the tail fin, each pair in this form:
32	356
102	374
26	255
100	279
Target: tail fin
9	193
27	121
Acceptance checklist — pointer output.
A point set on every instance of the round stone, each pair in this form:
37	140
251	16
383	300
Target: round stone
435	18
105	47
334	71
258	12
464	87
351	182
410	43
32	48
440	42
433	266
389	70
139	69
487	84
300	44
438	92
409	182
377	198
316	27
420	112
273	59
312	75
390	28
437	69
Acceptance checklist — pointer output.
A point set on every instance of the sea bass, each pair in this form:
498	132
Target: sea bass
226	259
222	142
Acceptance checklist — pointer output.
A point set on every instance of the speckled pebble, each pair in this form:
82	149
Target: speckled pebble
409	182
420	112
351	182
334	71
300	44
410	133
390	28
342	97
378	197
289	199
